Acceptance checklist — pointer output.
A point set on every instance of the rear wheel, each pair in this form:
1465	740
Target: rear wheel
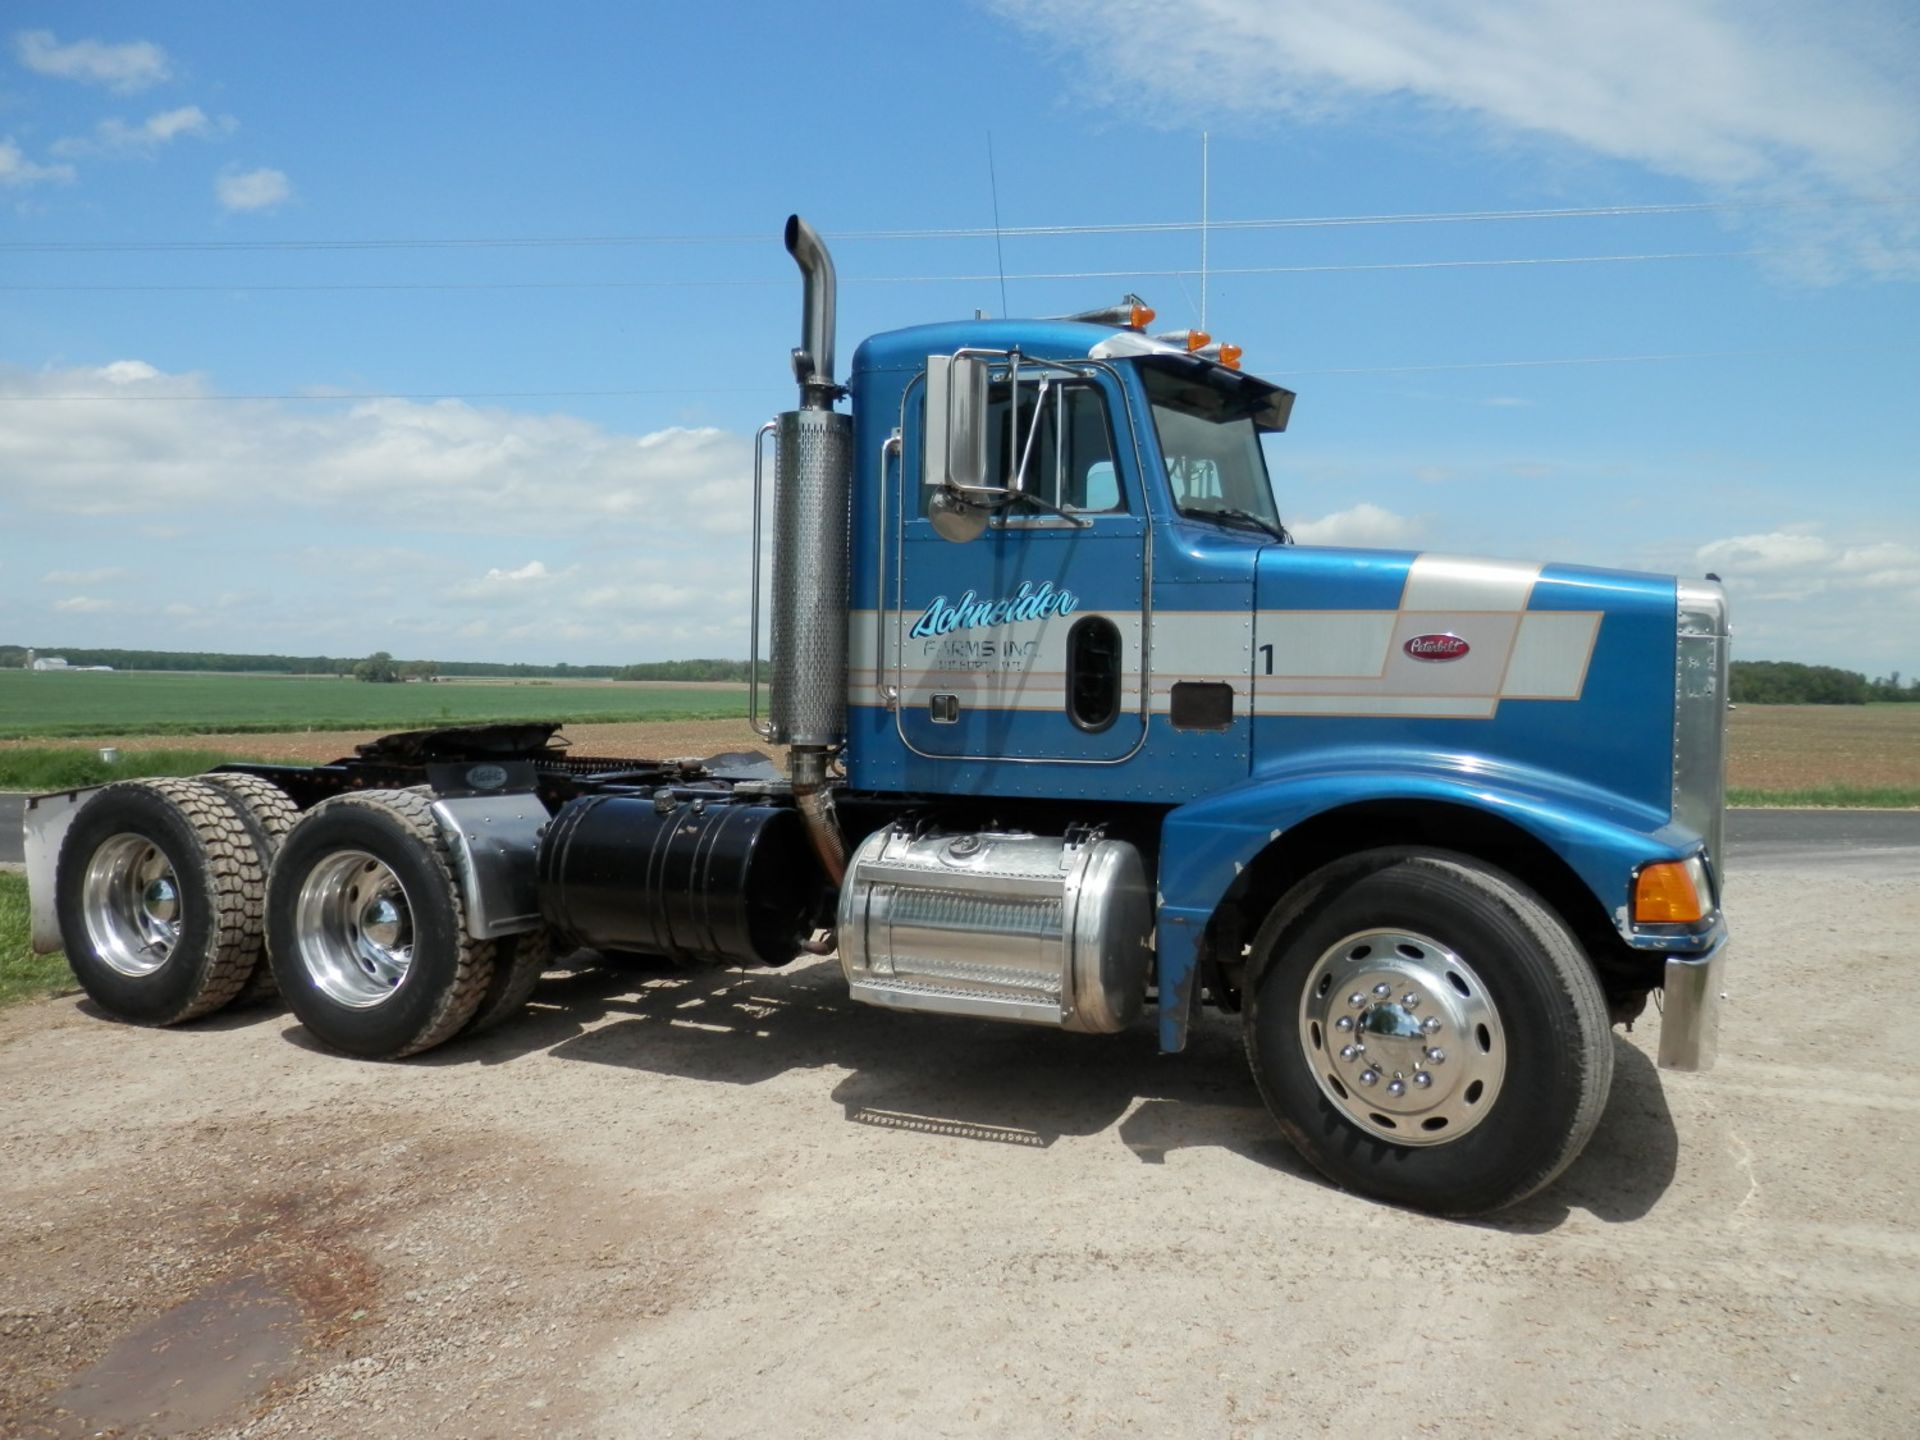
1427	1031
518	963
159	895
269	814
367	927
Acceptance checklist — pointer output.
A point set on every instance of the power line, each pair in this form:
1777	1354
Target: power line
1524	364
312	398
1436	217
983	278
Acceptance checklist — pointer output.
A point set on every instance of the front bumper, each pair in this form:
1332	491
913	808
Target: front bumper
1690	1012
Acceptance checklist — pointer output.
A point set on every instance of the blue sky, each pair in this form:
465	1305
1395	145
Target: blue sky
261	390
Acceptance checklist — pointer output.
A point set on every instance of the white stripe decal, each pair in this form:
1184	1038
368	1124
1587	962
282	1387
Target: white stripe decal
1280	662
1459	582
1550	656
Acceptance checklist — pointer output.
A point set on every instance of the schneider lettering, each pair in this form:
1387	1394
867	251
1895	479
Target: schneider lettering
970	612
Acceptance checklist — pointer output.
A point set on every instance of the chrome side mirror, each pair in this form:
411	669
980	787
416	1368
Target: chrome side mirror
956	449
956	421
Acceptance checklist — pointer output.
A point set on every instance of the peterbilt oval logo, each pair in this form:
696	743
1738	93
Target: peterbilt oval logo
1436	647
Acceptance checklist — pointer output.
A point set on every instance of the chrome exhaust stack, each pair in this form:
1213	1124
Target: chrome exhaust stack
813	484
813	361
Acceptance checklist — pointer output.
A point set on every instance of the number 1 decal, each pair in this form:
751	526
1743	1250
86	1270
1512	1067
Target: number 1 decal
1267	650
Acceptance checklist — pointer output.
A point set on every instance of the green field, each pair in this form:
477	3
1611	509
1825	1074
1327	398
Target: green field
23	974
36	704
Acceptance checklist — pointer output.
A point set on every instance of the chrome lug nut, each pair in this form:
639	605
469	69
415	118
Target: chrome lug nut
1356	1000
1430	1024
1383	989
1369	1077
1348	1052
1410	1000
1436	1056
1345	1022
1396	1087
1422	1079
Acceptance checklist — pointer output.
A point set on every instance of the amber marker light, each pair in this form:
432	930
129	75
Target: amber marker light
1140	316
1227	356
1670	892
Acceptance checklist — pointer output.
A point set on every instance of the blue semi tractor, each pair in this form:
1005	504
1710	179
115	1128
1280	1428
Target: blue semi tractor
1075	736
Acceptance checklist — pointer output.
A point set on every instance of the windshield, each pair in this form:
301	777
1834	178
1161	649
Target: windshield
1211	445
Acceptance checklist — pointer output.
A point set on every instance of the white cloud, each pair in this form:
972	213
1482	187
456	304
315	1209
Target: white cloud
1774	553
16	170
124	68
82	605
82	577
260	189
1775	101
126	372
443	466
516	586
1362	525
130	441
1797	595
533	570
161	128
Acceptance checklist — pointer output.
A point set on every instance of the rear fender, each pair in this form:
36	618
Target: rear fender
43	827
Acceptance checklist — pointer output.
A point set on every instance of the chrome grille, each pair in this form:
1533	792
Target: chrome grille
1701	655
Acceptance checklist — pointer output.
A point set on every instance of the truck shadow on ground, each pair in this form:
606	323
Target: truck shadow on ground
1009	1085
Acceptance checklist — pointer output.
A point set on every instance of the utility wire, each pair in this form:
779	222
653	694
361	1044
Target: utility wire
1438	217
1140	274
1528	364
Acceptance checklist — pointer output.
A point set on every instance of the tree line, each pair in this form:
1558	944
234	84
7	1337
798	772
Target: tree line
1786	682
1754	682
380	666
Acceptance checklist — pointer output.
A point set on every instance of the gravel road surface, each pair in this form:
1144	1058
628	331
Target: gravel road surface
737	1204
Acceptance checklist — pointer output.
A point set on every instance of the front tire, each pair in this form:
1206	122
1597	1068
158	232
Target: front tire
158	893
367	928
1427	1031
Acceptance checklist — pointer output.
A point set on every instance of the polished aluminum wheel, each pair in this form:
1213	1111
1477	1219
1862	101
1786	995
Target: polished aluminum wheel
355	929
130	901
1402	1037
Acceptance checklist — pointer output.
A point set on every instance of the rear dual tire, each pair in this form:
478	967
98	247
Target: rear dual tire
367	928
159	890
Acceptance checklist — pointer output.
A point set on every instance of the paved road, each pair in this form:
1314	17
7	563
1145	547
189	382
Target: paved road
1765	838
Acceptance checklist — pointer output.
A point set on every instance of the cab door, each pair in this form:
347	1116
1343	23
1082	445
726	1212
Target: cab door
1026	641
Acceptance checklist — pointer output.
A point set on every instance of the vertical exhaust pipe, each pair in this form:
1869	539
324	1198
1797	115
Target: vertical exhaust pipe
813	484
813	361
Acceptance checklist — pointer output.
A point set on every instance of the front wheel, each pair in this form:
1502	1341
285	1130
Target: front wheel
1427	1031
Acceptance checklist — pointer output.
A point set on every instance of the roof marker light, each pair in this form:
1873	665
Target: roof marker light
1186	339
1132	313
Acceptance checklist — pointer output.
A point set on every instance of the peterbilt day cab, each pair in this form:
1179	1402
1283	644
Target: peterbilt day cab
1075	737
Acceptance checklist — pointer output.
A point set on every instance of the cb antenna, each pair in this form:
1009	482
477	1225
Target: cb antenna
1000	259
1203	229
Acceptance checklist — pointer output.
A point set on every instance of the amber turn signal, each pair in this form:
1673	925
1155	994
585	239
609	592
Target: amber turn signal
1140	316
1672	892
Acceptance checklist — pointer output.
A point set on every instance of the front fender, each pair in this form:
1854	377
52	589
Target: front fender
1601	836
